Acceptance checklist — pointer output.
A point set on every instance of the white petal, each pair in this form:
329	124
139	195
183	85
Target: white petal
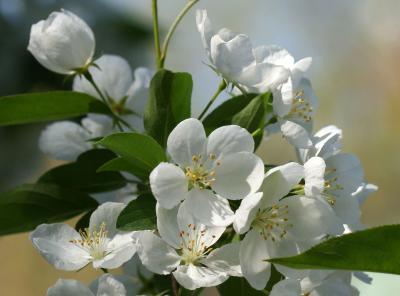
289	287
225	259
53	243
297	135
139	91
252	255
168	184
314	171
113	77
364	191
187	139
229	139
69	288
279	181
204	28
121	248
108	285
155	254
231	53
106	213
167	225
348	172
238	175
246	212
299	69
186	221
263	77
310	217
208	208
64	140
348	210
283	99
97	125
275	55
62	42
193	277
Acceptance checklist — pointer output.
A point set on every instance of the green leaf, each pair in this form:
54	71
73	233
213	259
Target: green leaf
119	164
38	107
27	206
223	114
83	221
82	175
238	286
374	250
139	214
169	103
141	152
253	116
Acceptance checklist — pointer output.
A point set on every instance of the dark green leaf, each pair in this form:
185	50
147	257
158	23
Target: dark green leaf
141	151
83	221
38	107
27	206
169	103
374	250
238	286
223	114
82	175
139	214
253	116
119	164
275	277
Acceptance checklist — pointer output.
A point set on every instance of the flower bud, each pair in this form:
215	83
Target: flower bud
63	43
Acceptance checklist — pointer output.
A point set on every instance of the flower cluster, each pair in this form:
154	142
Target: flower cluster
220	211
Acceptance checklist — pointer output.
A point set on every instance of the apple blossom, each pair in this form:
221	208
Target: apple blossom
126	95
276	226
185	250
63	43
65	140
223	163
105	285
232	56
101	243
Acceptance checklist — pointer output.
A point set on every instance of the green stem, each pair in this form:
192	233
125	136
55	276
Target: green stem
116	119
221	87
156	33
256	132
172	29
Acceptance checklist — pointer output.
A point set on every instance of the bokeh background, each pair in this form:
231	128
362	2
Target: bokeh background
355	47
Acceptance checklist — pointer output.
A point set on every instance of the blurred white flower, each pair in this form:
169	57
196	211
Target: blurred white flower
277	226
318	283
104	285
127	95
185	250
63	43
232	56
223	163
66	140
101	243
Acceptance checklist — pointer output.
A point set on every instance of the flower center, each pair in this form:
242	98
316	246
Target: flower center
199	173
272	223
301	108
330	185
193	244
95	242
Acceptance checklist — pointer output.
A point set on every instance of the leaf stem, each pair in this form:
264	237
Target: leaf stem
172	29
156	33
221	87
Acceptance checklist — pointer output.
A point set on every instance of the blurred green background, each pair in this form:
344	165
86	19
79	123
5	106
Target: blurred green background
355	47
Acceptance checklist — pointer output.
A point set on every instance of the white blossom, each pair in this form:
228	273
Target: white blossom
101	243
319	283
127	95
63	43
105	285
185	249
278	226
66	140
223	163
232	56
